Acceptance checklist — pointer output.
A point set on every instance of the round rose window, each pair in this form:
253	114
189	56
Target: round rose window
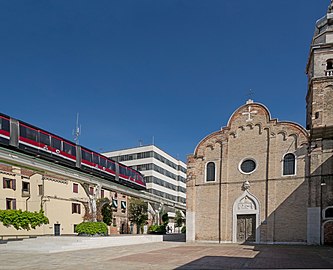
248	166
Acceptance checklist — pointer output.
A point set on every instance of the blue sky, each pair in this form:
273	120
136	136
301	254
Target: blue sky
135	70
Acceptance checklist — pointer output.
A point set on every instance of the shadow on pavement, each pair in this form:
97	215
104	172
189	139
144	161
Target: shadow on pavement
174	237
269	257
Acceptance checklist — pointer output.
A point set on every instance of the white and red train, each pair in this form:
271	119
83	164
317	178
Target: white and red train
35	141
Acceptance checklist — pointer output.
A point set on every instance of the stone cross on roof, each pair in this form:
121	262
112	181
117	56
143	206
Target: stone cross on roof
248	113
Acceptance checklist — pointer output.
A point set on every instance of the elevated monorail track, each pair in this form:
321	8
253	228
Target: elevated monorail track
52	169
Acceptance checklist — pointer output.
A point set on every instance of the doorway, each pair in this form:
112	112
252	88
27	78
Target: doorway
246	228
328	233
56	229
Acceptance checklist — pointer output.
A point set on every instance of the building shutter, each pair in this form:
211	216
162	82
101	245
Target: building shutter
14	204
123	205
14	184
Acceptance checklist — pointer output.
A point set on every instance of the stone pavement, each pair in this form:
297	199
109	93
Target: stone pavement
174	255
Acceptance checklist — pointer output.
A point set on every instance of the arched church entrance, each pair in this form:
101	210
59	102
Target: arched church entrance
246	219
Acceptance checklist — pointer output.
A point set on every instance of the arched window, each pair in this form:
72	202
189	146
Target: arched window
329	64
289	164
210	171
329	212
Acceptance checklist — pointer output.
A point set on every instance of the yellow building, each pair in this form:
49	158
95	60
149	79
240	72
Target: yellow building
64	201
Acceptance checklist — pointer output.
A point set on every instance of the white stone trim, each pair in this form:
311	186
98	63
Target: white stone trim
244	159
237	211
282	165
190	226
323	213
313	225
206	172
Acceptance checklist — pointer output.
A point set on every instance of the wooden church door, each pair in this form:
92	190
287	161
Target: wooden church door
246	228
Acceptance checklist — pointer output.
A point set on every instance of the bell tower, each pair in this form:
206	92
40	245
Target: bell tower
320	78
319	121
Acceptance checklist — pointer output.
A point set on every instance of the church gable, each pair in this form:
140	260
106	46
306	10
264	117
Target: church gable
255	116
255	149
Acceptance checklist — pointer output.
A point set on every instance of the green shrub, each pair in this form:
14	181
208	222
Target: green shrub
157	229
183	229
92	228
22	219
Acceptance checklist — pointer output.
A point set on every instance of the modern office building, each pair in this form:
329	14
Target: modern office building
165	175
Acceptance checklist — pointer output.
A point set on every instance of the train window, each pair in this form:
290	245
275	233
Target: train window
86	155
44	138
95	159
56	143
69	149
4	124
28	133
122	170
102	162
111	165
23	131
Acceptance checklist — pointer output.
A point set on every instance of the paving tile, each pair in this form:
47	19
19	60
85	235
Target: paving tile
173	255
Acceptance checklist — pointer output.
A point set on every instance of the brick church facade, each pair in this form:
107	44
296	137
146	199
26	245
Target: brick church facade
265	181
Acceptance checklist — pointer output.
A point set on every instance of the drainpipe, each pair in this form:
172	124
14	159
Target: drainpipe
42	197
26	203
266	181
220	191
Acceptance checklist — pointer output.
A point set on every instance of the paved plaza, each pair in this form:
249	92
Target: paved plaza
173	255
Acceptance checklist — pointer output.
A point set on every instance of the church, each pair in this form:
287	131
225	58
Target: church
264	181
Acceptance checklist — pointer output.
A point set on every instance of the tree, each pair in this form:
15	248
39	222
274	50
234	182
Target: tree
23	219
91	206
179	219
107	214
138	212
165	219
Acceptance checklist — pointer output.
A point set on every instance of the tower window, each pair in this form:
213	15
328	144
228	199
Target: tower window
316	115
329	64
329	212
210	171
289	164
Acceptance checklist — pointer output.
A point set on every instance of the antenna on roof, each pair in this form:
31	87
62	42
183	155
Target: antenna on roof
77	130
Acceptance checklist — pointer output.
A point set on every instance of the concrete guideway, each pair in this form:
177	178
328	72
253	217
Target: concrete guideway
173	255
41	166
